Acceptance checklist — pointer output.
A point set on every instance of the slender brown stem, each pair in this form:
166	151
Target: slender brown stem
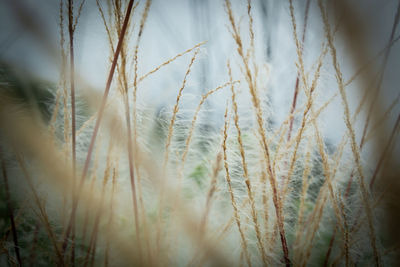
354	147
72	79
247	181
167	149
296	86
93	238
98	121
131	169
363	138
346	233
73	241
135	135
260	122
110	219
73	118
42	211
230	189
389	144
330	246
211	191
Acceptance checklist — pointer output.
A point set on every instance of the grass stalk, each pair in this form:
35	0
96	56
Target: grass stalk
167	148
233	201
71	30
296	86
42	212
346	233
111	217
63	82
354	147
106	175
130	146
309	94
98	121
170	61
305	184
175	112
318	211
193	125
211	191
261	131
250	192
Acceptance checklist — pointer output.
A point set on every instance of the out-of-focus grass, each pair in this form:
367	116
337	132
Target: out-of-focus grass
179	187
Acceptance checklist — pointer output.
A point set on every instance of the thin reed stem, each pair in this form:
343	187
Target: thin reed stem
250	192
98	121
170	61
130	146
175	112
167	148
261	131
354	147
296	86
210	194
42	212
193	125
305	184
71	30
346	233
309	94
233	201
